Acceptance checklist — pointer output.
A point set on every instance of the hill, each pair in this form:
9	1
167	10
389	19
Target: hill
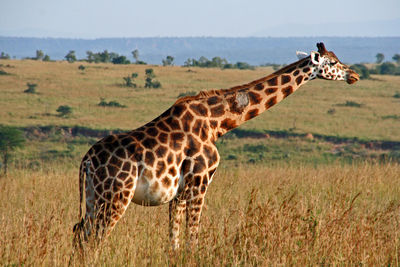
253	50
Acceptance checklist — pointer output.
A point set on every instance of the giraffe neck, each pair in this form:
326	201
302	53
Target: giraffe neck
226	109
245	102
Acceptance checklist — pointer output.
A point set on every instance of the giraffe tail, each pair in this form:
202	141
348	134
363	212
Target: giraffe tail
78	227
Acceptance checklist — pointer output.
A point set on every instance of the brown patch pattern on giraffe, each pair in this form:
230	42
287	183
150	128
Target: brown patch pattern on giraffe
213	100
299	79
251	114
273	81
228	124
254	98
270	102
217	111
259	87
269	91
285	79
199	109
287	91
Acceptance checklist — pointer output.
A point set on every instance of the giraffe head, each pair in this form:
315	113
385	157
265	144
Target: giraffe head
327	66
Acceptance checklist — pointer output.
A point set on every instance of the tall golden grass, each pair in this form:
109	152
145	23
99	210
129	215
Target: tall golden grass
281	215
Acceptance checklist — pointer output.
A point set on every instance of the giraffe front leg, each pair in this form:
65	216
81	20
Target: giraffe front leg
177	208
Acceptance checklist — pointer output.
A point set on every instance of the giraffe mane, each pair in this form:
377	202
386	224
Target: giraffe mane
218	92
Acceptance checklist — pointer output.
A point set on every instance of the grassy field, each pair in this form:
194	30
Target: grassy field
322	107
274	201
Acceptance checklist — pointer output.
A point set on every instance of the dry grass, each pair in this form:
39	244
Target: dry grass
330	215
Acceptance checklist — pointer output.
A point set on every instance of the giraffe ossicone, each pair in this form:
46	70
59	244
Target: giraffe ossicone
301	54
173	158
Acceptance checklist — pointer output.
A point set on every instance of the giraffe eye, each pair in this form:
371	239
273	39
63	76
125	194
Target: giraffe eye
333	63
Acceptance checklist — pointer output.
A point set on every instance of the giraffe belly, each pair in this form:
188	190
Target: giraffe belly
152	192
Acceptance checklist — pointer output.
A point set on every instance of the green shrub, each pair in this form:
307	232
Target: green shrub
112	103
2	72
393	117
31	88
149	82
331	111
350	104
129	80
64	110
231	157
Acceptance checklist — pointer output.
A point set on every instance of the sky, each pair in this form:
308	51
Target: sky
90	19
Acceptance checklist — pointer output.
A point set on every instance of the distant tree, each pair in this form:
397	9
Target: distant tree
203	61
188	63
135	54
31	88
46	58
90	56
4	56
10	139
218	62
243	66
379	58
168	61
39	55
81	67
64	110
71	57
396	58
105	56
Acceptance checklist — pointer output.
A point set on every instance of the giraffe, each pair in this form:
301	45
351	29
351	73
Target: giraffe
173	158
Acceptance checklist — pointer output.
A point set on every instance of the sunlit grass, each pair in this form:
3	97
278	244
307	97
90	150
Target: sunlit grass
334	215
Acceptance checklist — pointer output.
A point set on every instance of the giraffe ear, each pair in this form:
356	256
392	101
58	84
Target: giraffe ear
301	54
315	58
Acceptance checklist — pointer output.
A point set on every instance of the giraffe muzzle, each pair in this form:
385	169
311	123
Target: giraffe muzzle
352	77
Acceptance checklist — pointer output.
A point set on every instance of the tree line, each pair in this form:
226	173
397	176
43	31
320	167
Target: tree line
105	56
112	57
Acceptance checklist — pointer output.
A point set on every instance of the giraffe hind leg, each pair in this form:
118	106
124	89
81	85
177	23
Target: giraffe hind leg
106	216
177	209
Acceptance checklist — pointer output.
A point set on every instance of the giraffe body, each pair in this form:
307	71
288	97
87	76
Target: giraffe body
173	158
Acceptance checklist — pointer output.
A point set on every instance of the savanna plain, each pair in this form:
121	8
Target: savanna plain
313	181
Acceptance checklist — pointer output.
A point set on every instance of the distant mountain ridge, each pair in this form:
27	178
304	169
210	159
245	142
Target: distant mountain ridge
253	50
